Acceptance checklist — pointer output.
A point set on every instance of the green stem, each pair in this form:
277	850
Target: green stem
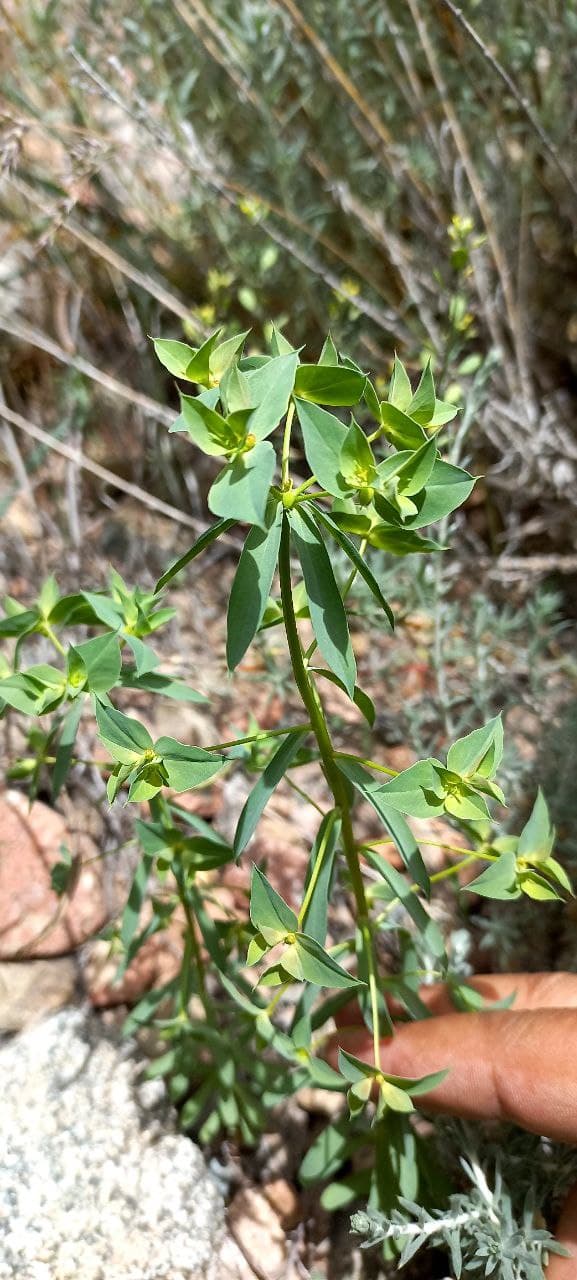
192	952
53	638
258	737
332	773
369	764
473	856
300	791
316	871
286	444
303	487
436	844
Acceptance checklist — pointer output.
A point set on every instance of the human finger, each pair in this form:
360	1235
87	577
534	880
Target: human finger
504	1065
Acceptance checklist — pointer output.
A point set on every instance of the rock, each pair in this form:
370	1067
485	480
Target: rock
33	920
157	962
256	1228
284	1200
93	1184
33	988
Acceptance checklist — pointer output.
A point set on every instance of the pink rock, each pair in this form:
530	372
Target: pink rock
33	920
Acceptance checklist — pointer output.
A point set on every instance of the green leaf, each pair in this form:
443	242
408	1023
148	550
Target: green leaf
270	390
498	880
235	390
420	1084
328	616
65	747
156	682
207	429
402	890
198	368
400	390
101	660
329	384
329	354
19	624
105	610
357	461
241	491
323	437
354	1069
22	693
535	886
185	766
262	791
400	542
175	356
413	474
269	912
356	559
252	583
135	902
422	406
376	795
279	345
360	698
221	357
126	739
320	867
448	487
319	967
538	835
479	752
444	412
209	536
400	429
145	659
395	1098
328	1151
62	874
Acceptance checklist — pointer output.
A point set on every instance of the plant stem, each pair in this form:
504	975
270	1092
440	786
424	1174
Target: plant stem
286	444
192	952
53	638
369	764
436	844
332	773
258	737
316	869
300	791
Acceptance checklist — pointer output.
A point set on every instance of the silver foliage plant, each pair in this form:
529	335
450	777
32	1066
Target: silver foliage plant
479	1228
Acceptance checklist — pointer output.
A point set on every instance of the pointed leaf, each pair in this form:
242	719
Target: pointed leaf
221	357
327	610
422	406
400	390
447	488
538	836
65	746
185	766
329	354
320	867
376	794
400	542
252	583
480	751
126	739
356	559
401	430
241	491
329	384
207	429
210	535
323	437
175	356
262	791
360	698
270	390
319	967
357	461
498	880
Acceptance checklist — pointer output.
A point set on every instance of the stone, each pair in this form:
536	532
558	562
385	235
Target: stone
33	920
95	1180
255	1226
157	962
30	989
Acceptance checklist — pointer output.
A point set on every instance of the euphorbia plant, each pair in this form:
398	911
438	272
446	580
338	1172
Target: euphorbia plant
267	987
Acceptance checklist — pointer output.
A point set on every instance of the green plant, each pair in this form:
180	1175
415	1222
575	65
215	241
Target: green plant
246	1021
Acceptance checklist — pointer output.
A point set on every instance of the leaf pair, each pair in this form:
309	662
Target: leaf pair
430	788
393	1092
205	365
147	766
404	415
302	959
525	864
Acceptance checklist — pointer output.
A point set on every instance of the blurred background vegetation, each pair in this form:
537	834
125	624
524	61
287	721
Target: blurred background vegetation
406	169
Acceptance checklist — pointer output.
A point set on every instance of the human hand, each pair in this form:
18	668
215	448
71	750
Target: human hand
517	1065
